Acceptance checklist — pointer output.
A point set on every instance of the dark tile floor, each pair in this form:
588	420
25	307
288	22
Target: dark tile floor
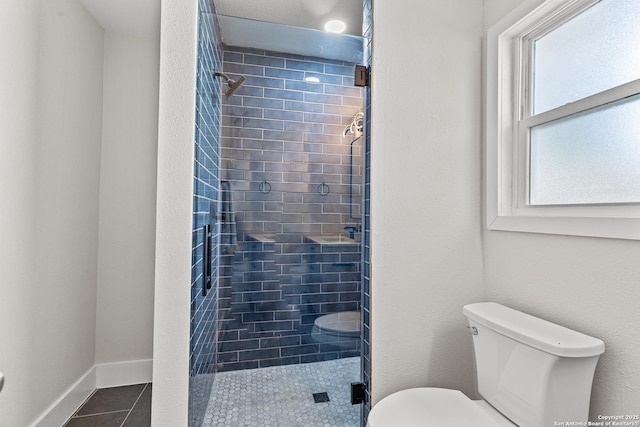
128	406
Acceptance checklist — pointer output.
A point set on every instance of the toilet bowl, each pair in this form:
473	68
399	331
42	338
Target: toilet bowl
531	373
341	330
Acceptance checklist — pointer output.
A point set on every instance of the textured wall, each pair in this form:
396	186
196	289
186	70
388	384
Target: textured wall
426	259
174	219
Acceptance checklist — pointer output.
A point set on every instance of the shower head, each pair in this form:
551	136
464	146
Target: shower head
233	84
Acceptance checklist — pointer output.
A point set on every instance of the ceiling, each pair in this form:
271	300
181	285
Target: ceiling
298	13
265	25
136	17
142	17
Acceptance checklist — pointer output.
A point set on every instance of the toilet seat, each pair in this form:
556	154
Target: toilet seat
433	407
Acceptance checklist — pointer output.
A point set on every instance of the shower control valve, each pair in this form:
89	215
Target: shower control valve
351	229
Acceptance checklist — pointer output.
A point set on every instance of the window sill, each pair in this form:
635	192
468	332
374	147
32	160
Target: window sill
613	228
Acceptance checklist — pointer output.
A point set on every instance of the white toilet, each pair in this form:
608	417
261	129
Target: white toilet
341	330
531	373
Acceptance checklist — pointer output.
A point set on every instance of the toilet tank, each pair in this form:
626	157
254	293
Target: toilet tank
533	371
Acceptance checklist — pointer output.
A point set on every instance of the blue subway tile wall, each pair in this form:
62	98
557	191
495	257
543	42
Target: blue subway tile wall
367	31
204	317
292	176
273	295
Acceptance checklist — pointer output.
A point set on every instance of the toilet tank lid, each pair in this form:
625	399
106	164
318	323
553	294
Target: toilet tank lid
533	331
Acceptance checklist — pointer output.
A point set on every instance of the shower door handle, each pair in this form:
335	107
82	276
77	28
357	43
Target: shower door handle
206	259
1	380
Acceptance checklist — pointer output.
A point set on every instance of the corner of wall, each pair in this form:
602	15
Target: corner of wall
128	170
174	217
99	376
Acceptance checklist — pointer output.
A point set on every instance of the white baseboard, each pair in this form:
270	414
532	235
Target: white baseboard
124	373
100	376
63	408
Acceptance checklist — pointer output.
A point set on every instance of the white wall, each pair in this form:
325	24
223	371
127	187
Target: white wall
590	285
50	152
18	144
173	220
127	198
587	284
77	233
425	203
69	121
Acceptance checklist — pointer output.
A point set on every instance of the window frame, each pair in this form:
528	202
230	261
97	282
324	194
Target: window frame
508	120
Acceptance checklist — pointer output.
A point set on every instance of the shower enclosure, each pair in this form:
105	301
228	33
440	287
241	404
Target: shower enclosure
295	250
278	217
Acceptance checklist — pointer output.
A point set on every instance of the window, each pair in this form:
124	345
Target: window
563	119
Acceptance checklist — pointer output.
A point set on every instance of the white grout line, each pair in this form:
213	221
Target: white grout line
134	404
101	413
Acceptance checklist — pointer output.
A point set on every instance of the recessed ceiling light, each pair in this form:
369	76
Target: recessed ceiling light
312	80
335	26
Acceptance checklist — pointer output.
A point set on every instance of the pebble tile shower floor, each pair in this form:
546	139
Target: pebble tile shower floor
282	396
